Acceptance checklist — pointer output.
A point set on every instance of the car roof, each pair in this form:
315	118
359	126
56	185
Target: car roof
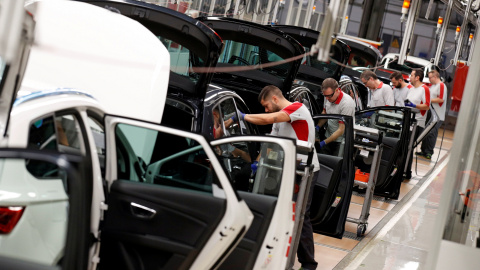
112	57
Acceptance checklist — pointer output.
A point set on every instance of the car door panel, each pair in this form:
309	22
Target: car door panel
394	122
182	217
263	208
269	196
334	185
330	172
177	228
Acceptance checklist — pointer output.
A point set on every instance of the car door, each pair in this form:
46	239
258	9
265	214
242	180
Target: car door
334	185
395	124
268	194
178	210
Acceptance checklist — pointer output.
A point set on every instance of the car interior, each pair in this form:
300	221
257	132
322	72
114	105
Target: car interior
334	185
157	220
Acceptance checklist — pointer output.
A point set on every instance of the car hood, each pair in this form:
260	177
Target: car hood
264	37
178	32
115	59
308	37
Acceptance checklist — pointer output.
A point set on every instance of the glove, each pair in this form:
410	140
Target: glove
240	114
317	128
322	144
410	104
368	114
254	167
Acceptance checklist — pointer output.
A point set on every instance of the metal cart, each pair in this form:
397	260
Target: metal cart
365	144
305	170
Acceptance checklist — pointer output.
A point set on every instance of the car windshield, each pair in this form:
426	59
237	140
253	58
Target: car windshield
406	67
327	67
182	59
243	54
358	58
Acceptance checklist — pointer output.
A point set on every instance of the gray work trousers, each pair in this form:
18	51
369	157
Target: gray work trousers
428	143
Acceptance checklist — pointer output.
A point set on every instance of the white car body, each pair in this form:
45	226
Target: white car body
410	62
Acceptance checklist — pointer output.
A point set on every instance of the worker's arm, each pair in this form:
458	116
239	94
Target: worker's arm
228	122
423	107
322	122
339	132
239	153
437	100
267	118
218	132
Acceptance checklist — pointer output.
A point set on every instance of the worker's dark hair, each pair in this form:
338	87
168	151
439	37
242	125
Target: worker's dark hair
434	73
329	83
419	73
269	91
397	75
367	74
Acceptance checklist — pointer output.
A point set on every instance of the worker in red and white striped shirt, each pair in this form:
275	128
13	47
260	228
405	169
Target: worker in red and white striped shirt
438	99
417	97
291	120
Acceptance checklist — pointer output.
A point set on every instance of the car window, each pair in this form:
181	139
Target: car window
182	59
358	58
159	158
61	133
243	54
406	67
327	128
229	117
388	121
178	115
351	90
328	67
268	175
245	127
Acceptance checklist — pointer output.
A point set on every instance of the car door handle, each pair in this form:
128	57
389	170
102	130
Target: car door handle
141	211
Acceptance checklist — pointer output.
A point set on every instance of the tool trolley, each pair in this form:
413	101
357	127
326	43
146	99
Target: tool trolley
368	145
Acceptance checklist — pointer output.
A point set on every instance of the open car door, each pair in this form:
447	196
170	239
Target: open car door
334	185
268	194
395	123
170	203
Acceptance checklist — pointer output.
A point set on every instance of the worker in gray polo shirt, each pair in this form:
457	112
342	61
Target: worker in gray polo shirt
380	94
338	103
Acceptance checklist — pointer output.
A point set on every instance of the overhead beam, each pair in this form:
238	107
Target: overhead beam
460	9
462	33
443	33
409	27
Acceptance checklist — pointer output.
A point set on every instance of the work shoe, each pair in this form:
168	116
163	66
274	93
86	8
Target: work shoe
420	154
